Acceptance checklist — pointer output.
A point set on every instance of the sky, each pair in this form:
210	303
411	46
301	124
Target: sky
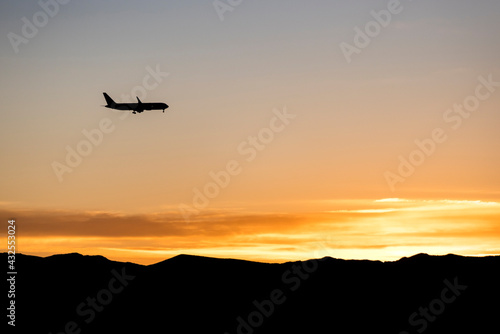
296	129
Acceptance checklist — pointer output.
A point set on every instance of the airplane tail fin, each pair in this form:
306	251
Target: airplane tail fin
109	100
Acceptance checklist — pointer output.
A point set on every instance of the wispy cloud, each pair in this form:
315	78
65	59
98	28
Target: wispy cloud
375	229
391	200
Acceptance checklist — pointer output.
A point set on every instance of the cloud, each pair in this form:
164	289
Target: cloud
381	229
110	224
391	200
368	210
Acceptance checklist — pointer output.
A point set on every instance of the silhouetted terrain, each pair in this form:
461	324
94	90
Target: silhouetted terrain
72	293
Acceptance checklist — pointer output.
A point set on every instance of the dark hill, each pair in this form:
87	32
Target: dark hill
72	293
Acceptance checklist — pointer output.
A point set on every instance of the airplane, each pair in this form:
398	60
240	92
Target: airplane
136	107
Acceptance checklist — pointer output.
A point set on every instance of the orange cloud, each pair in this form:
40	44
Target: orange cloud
383	230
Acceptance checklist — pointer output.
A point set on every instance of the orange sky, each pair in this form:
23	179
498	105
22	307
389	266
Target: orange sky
384	229
276	146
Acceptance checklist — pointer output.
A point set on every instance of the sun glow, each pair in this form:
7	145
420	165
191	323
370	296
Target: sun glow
383	229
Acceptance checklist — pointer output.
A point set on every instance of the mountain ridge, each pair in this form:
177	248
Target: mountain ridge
189	293
191	257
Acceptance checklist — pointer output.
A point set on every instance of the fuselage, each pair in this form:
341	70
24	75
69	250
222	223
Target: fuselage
139	106
134	107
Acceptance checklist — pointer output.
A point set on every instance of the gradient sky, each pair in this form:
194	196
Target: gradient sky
313	184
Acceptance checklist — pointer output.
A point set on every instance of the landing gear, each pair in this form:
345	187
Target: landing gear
133	112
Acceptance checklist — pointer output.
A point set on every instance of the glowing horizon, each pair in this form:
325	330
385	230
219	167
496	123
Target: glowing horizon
364	129
384	229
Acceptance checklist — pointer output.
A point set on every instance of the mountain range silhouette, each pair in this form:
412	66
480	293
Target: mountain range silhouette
73	293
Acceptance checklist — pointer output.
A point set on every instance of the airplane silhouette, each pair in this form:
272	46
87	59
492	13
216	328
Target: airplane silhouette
136	107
